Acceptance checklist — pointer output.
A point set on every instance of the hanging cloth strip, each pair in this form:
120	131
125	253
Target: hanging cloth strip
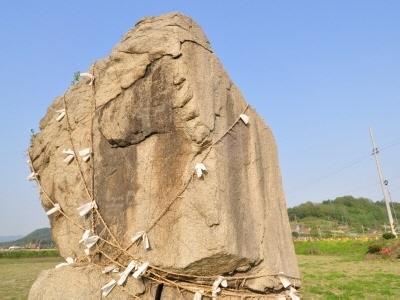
87	75
245	118
70	155
141	236
85	154
219	282
106	289
60	115
69	261
200	169
198	295
124	275
53	210
32	176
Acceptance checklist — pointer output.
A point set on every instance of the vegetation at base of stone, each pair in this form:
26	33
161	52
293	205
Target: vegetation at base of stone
75	79
359	215
29	253
388	236
38	238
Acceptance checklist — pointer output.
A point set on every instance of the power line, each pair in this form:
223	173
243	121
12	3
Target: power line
341	169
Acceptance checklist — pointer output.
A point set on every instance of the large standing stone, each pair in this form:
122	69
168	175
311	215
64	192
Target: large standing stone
161	99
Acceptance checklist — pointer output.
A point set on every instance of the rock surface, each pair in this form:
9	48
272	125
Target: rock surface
158	102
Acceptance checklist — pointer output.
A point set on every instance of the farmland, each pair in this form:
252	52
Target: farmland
330	269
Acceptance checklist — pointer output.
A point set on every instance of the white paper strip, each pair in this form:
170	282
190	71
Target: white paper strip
106	289
32	176
293	294
91	241
285	281
138	235
69	261
141	269
220	281
68	159
141	236
245	118
54	209
61	114
88	75
85	235
215	292
200	169
109	269
61	265
198	295
124	275
70	155
85	154
88	240
86	208
69	152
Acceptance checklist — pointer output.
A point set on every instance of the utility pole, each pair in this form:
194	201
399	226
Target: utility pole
383	182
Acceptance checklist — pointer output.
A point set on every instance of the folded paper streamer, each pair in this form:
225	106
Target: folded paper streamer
245	118
284	280
140	270
69	261
32	176
220	281
200	169
109	269
293	294
91	241
198	295
141	236
85	154
106	289
88	75
85	235
54	209
88	240
61	114
86	208
124	275
70	155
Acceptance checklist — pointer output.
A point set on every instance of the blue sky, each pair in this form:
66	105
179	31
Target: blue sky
319	72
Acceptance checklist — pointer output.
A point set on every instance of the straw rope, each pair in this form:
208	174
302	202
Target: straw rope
192	282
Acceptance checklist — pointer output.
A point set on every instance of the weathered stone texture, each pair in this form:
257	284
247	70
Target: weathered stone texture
162	97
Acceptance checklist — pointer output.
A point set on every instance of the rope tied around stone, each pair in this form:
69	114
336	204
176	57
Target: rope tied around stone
153	272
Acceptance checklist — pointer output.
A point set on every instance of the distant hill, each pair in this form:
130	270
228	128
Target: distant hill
343	213
42	236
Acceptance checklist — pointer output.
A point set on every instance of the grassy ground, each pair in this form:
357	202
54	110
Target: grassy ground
341	270
18	274
29	253
330	270
335	277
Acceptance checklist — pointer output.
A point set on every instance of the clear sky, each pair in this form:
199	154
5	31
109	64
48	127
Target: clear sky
319	72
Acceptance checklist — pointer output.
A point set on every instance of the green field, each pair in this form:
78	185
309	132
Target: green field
330	270
18	274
